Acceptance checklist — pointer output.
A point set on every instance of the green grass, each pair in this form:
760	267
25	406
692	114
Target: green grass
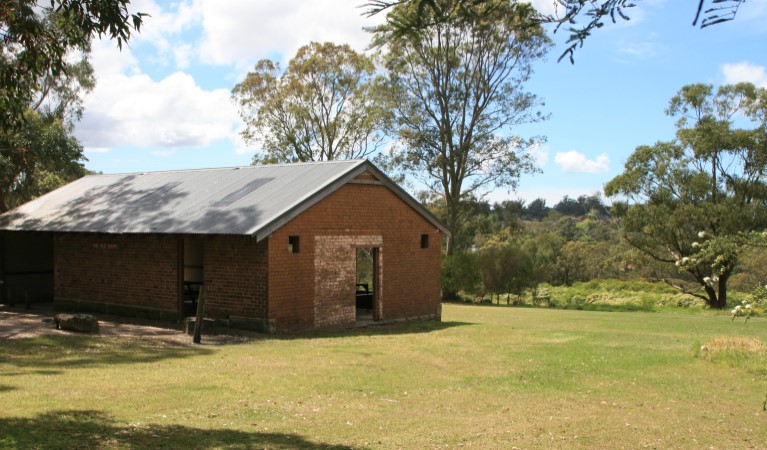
483	378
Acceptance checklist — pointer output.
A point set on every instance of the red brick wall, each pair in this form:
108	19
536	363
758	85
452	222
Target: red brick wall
136	270
140	270
410	283
234	270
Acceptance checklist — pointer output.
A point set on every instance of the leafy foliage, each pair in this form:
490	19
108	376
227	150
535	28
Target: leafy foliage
459	273
692	199
505	268
324	106
38	158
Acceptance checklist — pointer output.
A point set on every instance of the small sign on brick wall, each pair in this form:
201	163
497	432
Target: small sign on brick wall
104	246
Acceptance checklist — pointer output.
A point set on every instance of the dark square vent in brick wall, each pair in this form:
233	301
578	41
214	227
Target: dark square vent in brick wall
293	244
424	241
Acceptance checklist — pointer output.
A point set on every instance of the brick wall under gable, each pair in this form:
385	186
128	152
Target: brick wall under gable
410	284
365	176
134	270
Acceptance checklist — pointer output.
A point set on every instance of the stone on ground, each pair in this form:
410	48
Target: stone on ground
83	323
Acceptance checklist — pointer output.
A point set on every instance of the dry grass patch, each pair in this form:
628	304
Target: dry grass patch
733	345
745	353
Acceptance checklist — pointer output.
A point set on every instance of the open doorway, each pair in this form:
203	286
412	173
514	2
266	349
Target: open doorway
367	284
193	257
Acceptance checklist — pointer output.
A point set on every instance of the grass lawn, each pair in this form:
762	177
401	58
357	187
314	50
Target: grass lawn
485	377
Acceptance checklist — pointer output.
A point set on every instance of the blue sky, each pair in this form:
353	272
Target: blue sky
163	103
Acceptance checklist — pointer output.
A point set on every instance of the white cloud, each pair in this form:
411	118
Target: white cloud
128	108
575	162
96	149
548	7
745	71
240	32
107	59
642	50
160	26
182	54
540	153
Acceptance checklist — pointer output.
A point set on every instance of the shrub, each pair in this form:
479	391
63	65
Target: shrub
459	273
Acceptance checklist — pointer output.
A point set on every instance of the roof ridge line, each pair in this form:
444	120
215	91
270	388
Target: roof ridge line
259	166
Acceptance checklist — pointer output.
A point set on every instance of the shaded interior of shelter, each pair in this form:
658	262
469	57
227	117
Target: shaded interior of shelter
26	268
367	286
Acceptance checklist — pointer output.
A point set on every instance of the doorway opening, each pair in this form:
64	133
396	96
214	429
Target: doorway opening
193	255
26	268
367	285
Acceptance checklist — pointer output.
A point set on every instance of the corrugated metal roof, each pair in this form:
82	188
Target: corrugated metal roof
253	200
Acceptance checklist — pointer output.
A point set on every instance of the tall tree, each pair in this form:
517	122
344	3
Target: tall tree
324	106
693	200
458	95
567	12
37	39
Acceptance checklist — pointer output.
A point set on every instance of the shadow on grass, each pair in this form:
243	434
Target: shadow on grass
5	388
52	354
96	430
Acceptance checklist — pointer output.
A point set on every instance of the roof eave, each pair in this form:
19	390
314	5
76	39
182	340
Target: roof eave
307	202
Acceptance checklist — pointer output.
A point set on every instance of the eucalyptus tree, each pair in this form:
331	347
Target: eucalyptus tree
457	91
38	38
37	157
325	105
694	201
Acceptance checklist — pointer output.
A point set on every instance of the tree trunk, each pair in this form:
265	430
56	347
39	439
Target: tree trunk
452	225
717	298
200	314
722	298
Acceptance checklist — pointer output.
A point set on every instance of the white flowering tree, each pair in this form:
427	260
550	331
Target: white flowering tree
696	201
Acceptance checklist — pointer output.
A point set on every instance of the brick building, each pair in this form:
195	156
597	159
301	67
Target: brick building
277	248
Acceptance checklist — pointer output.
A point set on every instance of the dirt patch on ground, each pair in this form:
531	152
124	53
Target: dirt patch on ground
20	323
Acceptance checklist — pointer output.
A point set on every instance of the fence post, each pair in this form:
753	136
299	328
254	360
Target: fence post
200	314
